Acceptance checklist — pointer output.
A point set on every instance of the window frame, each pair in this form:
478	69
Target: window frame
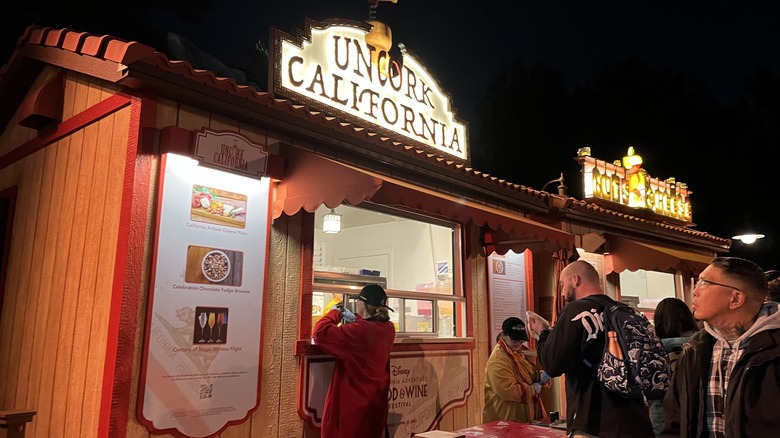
334	283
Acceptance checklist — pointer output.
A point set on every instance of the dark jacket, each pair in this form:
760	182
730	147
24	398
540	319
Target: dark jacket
674	347
577	338
753	394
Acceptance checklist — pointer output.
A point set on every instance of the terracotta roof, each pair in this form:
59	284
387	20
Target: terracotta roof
582	205
130	55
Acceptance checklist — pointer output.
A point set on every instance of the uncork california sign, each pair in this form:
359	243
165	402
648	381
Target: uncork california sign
330	66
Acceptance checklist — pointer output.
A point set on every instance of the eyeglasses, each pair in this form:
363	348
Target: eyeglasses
702	283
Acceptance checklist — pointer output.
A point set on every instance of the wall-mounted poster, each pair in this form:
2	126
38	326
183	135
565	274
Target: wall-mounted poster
201	367
507	287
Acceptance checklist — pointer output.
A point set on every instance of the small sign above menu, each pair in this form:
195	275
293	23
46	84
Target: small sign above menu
231	152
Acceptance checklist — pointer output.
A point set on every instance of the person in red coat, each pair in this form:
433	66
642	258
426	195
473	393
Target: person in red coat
357	401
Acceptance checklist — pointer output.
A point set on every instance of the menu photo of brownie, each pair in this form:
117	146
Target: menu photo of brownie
207	265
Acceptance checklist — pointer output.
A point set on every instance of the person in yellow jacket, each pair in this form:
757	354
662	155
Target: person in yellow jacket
512	383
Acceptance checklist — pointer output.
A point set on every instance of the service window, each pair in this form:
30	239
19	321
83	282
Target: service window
412	257
644	289
641	289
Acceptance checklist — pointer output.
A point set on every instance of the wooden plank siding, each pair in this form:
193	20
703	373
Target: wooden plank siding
477	265
63	247
17	280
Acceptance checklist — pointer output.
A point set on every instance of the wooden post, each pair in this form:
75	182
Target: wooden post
14	422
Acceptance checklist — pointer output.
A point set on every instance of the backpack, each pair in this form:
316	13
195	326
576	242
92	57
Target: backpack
645	370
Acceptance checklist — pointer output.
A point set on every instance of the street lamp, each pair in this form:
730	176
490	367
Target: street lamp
748	238
747	233
561	186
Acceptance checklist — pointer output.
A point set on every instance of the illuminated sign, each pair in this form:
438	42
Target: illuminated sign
626	183
330	64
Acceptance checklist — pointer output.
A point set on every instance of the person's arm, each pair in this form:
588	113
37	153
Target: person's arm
332	338
559	349
502	378
540	376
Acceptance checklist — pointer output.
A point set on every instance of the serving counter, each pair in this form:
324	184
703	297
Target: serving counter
510	429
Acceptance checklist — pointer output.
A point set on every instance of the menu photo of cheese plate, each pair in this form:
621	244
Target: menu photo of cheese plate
218	207
207	265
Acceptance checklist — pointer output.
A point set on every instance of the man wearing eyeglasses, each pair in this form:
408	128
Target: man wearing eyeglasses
727	380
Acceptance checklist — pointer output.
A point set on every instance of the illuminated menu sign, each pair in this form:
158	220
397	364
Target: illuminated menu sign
201	368
626	183
330	65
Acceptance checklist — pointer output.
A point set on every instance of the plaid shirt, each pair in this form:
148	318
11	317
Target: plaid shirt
723	361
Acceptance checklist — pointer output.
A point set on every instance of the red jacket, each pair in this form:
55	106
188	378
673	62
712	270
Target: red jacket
357	400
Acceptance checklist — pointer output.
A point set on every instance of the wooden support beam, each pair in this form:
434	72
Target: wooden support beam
14	422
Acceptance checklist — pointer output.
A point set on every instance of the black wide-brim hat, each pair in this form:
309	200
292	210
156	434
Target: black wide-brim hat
374	295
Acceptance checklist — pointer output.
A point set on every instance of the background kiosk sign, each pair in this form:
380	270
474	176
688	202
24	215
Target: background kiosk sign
330	64
625	182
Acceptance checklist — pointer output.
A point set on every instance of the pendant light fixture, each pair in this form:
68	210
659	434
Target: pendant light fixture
331	222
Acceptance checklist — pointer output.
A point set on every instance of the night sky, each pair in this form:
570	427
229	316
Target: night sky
464	45
717	41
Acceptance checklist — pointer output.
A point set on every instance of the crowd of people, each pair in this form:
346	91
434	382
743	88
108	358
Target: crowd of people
724	352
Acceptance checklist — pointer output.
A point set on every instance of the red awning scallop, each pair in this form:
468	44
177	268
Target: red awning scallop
312	180
511	227
632	255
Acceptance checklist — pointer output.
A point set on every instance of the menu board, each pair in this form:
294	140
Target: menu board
201	362
508	289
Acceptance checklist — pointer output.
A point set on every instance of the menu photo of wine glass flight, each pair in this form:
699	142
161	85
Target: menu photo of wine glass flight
206	265
210	325
218	207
